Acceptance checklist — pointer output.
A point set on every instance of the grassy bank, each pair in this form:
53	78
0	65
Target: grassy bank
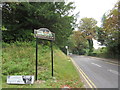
19	59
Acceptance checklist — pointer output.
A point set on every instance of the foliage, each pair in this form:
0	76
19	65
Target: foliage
100	34
21	18
110	27
104	52
109	33
78	43
88	29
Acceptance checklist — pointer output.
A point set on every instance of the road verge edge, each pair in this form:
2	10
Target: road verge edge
85	77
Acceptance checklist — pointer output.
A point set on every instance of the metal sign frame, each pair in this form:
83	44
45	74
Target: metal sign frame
44	33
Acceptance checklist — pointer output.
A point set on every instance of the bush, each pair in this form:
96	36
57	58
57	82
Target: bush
17	35
4	45
105	52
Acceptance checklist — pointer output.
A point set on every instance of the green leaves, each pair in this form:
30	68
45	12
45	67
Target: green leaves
87	26
88	29
77	43
23	17
109	33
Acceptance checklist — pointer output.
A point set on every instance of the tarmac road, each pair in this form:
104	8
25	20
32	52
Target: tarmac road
103	74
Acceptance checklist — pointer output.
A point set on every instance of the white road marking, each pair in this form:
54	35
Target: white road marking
113	71
96	64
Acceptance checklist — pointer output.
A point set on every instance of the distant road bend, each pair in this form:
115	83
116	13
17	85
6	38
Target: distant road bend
102	74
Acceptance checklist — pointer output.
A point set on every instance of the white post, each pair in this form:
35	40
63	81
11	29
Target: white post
67	50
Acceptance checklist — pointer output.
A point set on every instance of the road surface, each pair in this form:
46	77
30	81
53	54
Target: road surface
103	74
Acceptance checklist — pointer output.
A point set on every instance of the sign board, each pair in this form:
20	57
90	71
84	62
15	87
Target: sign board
44	33
20	79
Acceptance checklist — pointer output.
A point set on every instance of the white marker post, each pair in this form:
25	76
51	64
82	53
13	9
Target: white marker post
67	50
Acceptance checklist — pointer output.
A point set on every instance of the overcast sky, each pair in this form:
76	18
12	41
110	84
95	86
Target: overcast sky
93	8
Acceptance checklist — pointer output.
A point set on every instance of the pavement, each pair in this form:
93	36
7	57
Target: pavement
97	72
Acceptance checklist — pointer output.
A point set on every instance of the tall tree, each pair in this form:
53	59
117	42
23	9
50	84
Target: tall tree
78	43
88	29
21	18
111	31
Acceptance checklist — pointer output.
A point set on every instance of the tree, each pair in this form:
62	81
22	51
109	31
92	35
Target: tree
100	35
111	32
21	18
78	43
88	29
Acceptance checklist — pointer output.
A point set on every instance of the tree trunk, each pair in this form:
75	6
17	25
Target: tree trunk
90	42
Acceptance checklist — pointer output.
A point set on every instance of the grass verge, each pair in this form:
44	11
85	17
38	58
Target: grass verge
19	59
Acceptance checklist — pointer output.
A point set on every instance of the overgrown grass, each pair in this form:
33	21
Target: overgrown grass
19	59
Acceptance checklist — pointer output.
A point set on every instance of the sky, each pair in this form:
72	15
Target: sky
93	9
